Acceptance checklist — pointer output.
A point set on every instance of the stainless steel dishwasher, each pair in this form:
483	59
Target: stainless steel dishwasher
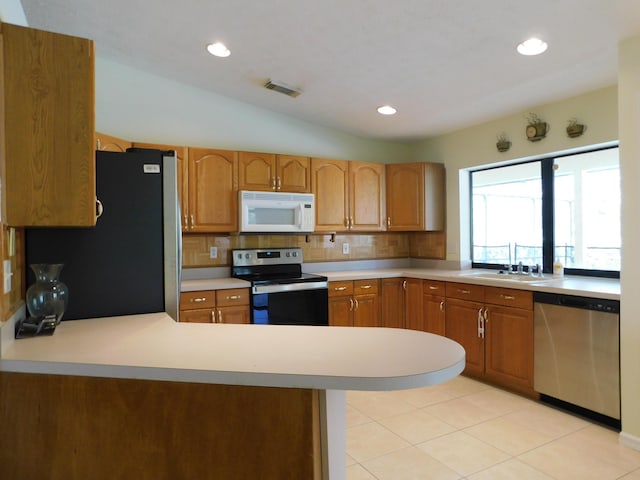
577	353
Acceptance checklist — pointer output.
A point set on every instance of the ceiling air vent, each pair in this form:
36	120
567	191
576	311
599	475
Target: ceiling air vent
282	88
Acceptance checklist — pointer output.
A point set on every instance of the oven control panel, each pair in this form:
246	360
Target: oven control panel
266	256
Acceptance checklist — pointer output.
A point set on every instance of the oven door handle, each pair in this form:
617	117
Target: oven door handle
288	287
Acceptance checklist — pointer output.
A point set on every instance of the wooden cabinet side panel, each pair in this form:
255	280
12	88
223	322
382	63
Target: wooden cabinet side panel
329	183
435	197
366	196
106	428
49	109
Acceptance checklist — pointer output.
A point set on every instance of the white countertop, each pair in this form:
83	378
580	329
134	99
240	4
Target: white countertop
608	288
154	347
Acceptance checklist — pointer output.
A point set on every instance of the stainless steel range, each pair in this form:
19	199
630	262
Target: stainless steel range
280	293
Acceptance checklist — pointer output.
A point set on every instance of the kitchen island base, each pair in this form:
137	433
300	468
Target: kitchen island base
59	427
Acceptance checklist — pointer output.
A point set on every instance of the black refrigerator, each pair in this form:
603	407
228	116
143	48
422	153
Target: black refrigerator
130	262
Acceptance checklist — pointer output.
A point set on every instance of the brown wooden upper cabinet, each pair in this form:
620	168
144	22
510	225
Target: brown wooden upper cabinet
271	172
213	190
415	196
349	195
48	128
182	157
109	143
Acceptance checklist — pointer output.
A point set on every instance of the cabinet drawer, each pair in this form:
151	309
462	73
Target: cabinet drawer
361	287
465	291
338	289
509	297
199	299
433	287
232	296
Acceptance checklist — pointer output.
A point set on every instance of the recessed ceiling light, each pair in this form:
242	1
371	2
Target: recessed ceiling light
387	110
532	46
218	49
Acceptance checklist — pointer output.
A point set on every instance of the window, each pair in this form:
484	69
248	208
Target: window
565	208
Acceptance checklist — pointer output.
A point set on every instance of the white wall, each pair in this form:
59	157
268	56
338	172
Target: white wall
11	12
629	115
139	106
476	146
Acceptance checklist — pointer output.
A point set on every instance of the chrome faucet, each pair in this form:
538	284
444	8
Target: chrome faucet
520	268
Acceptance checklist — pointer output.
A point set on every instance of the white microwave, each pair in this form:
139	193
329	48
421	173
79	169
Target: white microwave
279	212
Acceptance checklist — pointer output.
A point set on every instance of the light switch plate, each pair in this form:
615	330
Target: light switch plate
345	248
6	268
213	252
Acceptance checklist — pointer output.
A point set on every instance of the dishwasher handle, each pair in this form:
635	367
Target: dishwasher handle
574	301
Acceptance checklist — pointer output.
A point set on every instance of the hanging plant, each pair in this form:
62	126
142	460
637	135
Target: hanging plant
575	129
536	128
503	144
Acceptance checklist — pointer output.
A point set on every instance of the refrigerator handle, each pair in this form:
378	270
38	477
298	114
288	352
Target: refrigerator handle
99	209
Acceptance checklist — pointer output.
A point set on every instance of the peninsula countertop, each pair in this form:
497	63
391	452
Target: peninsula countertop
154	347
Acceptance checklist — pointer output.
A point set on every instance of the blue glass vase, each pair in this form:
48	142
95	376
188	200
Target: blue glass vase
48	296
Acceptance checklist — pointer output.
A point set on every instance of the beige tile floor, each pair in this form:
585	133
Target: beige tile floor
464	429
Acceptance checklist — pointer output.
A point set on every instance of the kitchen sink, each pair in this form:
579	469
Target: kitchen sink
507	277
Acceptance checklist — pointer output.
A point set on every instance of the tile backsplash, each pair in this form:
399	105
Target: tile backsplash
316	247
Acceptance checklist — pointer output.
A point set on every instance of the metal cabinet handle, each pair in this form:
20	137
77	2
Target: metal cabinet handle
365	287
442	306
431	287
388	221
213	316
99	208
357	304
198	300
507	297
219	316
278	184
339	289
273	183
481	319
464	292
350	223
233	297
351	304
404	284
192	221
186	221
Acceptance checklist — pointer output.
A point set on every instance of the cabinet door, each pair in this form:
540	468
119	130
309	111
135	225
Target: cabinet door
341	311
509	345
413	304
329	183
203	315
366	196
293	173
213	186
48	128
462	326
238	314
182	157
108	143
392	302
366	310
433	314
405	197
256	171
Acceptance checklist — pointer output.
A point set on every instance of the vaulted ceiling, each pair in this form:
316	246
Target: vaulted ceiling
444	64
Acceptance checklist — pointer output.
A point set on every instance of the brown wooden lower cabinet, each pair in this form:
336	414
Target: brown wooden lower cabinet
392	302
76	428
495	327
215	306
433	306
354	303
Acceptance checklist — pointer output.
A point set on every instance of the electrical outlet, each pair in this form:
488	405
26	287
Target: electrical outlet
213	252
345	248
